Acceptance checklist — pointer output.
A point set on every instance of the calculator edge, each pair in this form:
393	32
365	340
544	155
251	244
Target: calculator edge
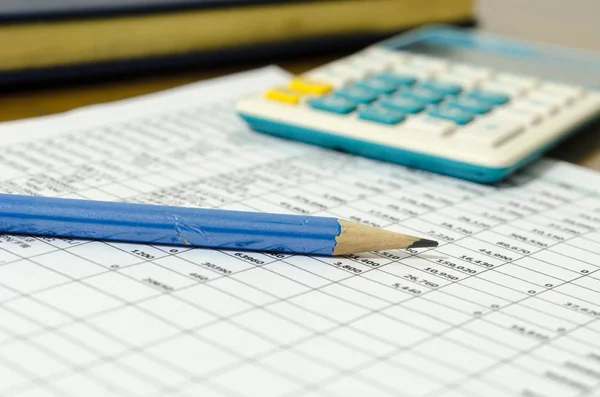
437	164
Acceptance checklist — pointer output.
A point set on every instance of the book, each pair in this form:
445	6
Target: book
43	40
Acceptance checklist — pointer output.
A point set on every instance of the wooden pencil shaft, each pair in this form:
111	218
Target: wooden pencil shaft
355	237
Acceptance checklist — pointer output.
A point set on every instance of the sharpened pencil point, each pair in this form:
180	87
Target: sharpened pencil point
424	243
356	237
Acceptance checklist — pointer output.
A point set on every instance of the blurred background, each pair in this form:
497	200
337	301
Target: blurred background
56	55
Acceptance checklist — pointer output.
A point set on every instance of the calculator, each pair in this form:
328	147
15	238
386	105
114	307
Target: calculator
443	99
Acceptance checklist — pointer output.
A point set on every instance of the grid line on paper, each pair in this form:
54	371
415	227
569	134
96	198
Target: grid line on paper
47	382
58	331
102	359
29	375
44	380
505	361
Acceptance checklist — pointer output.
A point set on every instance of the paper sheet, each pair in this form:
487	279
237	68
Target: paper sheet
507	305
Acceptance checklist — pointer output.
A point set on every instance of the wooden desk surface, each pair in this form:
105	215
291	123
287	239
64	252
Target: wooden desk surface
582	149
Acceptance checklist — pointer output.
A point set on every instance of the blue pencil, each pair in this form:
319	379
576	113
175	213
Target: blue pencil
194	227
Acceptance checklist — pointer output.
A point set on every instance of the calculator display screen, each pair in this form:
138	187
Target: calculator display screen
510	56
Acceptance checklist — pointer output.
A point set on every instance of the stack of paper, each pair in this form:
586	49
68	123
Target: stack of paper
507	305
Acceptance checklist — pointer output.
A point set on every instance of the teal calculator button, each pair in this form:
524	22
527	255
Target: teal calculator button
405	104
357	94
378	85
333	104
443	88
494	98
459	116
379	114
423	94
399	80
470	105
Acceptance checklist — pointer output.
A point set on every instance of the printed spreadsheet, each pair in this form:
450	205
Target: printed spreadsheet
507	305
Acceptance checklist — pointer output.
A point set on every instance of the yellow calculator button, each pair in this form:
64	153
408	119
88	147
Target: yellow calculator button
310	87
284	95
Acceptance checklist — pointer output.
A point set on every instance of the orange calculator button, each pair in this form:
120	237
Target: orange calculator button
282	94
310	87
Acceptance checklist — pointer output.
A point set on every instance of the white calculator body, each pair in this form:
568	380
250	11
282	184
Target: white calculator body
442	99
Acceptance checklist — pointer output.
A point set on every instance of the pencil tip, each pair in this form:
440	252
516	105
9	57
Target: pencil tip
424	243
355	237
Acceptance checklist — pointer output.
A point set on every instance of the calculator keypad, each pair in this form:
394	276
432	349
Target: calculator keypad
428	94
